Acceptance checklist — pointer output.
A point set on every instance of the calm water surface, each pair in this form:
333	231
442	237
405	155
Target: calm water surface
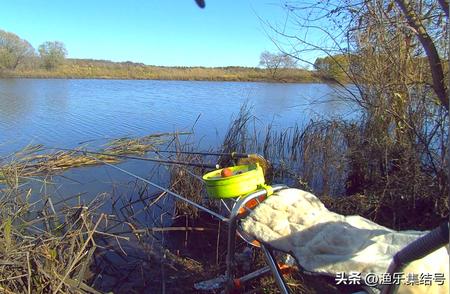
65	113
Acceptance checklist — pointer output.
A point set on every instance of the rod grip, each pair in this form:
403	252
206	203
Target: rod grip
239	155
423	246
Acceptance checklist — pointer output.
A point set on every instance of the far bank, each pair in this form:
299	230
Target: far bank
100	69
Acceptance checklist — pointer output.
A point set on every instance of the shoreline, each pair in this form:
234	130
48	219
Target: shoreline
107	70
269	81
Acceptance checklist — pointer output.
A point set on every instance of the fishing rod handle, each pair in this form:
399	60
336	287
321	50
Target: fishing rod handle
202	165
239	155
423	246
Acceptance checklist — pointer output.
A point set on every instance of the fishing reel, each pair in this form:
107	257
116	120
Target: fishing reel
261	161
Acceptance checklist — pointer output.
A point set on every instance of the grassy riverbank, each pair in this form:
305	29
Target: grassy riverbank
51	242
48	243
100	69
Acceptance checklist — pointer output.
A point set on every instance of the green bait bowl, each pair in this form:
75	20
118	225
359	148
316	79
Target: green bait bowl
245	179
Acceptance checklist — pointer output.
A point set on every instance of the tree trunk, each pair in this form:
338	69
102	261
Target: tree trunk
444	6
439	84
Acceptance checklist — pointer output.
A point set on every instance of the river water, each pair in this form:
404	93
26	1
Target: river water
67	113
64	113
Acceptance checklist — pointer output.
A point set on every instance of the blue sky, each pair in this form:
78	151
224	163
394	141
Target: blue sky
157	32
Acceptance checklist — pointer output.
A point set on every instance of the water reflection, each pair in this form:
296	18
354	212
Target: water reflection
65	113
16	100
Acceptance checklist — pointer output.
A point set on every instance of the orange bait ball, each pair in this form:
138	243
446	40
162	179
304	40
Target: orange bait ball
226	172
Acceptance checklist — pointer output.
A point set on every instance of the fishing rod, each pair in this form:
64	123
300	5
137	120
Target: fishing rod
232	154
200	3
163	161
222	218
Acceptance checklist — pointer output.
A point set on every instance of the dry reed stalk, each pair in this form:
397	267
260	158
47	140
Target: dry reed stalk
47	254
31	162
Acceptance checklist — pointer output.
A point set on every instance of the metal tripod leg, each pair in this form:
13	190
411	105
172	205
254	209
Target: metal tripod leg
271	261
232	229
231	246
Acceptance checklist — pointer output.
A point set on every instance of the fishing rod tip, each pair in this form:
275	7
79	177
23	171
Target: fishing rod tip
200	3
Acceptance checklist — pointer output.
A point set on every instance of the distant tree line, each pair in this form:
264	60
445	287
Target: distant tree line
18	58
16	52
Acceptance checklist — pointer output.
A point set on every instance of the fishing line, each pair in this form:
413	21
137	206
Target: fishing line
222	218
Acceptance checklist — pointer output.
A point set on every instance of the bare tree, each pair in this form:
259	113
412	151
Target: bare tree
273	62
392	52
435	63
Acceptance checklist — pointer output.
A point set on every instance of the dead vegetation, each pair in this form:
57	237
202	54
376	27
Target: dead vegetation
35	160
393	157
44	250
50	246
355	167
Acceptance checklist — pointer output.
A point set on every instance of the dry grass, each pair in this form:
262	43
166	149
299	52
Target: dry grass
101	69
33	162
50	247
335	160
187	182
355	166
43	250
